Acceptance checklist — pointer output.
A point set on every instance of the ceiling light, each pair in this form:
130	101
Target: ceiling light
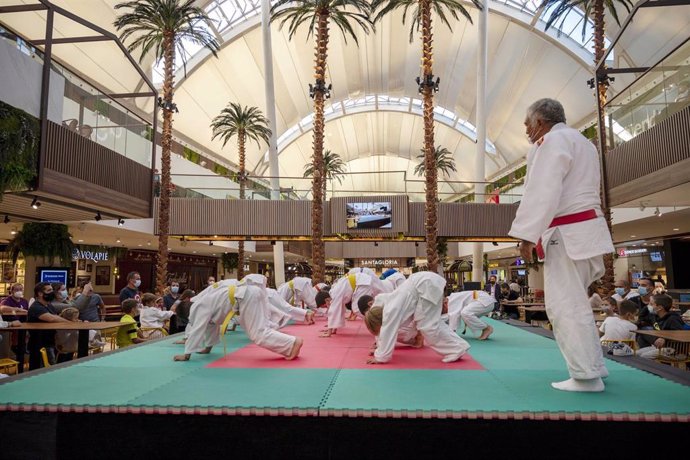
98	216
633	236
35	203
118	240
657	212
14	231
148	243
676	229
120	221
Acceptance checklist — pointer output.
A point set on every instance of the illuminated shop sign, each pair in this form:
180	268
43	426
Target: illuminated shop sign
622	252
96	256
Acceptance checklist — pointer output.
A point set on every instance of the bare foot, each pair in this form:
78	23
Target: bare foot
295	349
488	330
418	341
180	342
352	317
205	351
309	317
327	333
181	357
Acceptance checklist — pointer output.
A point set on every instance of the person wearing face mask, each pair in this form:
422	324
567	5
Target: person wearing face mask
170	299
560	217
14	301
131	291
493	289
623	292
42	311
667	320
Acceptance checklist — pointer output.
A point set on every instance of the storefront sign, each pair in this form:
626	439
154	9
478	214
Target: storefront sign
96	256
622	252
493	265
379	262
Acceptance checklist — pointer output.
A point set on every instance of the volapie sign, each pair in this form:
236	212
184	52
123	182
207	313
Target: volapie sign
96	256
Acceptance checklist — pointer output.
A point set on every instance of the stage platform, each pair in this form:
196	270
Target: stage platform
503	384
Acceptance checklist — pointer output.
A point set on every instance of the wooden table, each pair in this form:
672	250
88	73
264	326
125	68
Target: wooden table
678	340
82	327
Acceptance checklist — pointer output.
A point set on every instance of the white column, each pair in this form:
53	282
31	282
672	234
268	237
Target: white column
480	173
278	255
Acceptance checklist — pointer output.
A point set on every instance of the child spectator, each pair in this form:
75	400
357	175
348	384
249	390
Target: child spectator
182	309
67	342
153	316
667	320
129	333
609	306
621	327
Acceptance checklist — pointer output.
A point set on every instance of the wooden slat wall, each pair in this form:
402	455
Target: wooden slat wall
76	156
399	209
266	218
661	147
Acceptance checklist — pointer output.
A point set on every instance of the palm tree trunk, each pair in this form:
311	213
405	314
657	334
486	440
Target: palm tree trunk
320	57
430	172
166	146
241	139
599	50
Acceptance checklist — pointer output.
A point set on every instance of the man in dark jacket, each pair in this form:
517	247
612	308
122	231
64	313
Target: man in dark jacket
667	320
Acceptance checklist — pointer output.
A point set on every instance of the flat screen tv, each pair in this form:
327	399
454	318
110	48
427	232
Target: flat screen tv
655	256
54	275
369	214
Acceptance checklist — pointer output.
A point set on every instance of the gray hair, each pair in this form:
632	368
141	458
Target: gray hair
549	110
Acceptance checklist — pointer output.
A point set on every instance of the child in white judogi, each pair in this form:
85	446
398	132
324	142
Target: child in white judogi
395	279
299	291
469	306
212	305
420	299
350	288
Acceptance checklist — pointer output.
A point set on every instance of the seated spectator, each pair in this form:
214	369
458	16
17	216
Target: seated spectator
645	314
507	296
67	342
667	321
42	311
594	293
609	306
623	292
15	300
182	310
129	334
94	311
152	315
514	286
621	327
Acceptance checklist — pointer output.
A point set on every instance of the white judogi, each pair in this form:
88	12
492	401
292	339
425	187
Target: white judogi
563	178
342	293
469	306
252	303
297	291
395	280
282	311
209	309
154	317
419	298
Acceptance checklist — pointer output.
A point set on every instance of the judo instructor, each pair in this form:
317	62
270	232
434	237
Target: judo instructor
560	216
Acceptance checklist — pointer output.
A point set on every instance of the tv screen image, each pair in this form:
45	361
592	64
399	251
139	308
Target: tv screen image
369	215
655	256
54	276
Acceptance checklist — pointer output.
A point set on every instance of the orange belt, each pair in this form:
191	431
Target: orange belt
565	220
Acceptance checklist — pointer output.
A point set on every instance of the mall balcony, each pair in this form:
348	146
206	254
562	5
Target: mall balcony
79	152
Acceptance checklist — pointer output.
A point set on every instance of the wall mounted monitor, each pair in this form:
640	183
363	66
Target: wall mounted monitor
54	275
655	256
369	215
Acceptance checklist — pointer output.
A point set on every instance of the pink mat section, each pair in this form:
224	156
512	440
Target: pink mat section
348	349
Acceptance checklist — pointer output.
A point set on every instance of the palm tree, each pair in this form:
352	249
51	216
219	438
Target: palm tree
428	85
317	14
334	168
163	27
245	123
594	10
443	159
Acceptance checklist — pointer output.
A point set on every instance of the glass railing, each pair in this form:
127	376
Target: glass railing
352	184
659	93
82	108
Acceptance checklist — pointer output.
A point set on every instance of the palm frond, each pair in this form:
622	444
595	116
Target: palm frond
443	158
558	11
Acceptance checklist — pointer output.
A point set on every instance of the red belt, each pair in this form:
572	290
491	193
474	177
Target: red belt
565	220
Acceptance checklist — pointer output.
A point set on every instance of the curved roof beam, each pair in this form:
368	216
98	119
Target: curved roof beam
237	17
380	103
